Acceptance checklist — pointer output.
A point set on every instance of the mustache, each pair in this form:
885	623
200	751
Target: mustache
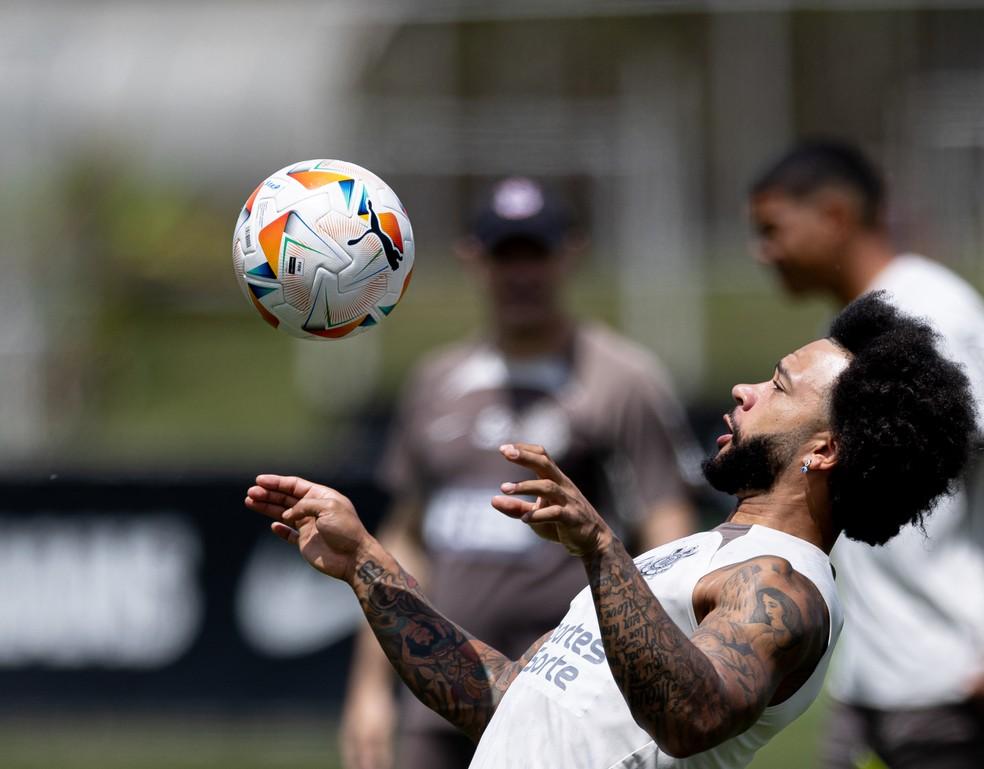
730	418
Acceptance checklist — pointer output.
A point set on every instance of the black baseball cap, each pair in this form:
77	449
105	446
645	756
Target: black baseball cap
521	208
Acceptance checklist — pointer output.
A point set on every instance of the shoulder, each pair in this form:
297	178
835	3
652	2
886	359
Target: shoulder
928	289
767	590
770	571
776	571
766	633
624	362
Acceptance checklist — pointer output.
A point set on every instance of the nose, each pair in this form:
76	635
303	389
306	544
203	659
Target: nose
744	396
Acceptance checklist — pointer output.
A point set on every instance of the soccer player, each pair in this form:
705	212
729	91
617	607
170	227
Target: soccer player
908	682
704	647
601	405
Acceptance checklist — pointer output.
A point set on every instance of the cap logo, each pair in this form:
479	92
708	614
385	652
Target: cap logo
517	199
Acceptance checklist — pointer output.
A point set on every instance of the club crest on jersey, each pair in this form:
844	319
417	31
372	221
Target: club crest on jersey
653	566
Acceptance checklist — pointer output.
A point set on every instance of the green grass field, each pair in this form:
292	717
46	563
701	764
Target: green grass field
275	742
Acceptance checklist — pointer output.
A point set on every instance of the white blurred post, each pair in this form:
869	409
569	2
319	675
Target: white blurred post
750	96
22	343
656	209
21	346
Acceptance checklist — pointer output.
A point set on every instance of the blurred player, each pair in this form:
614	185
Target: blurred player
600	404
909	678
706	647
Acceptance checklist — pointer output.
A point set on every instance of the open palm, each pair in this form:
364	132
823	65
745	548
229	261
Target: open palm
321	521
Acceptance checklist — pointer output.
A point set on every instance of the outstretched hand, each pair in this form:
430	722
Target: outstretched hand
560	512
319	520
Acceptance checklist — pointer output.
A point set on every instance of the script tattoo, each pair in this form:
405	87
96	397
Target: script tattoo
455	675
690	694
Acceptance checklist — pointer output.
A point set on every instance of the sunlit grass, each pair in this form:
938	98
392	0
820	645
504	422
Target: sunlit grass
302	741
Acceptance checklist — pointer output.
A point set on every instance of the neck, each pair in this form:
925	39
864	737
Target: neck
866	257
546	339
797	508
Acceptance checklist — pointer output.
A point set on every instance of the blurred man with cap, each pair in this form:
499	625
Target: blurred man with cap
908	681
600	404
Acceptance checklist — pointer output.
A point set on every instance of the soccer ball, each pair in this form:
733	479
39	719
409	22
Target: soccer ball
323	249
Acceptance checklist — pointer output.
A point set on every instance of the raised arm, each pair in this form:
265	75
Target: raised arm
765	622
454	674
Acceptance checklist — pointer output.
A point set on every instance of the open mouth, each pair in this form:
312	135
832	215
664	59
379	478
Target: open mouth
725	439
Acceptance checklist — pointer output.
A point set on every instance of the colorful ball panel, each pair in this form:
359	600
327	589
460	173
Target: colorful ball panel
323	249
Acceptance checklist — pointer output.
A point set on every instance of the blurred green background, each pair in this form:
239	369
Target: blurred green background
152	357
137	130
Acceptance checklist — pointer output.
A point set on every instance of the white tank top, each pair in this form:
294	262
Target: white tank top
564	708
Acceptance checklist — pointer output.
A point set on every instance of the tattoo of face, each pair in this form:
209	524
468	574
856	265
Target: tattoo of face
779	612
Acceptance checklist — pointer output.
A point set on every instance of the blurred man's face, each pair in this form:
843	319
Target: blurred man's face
773	420
524	282
800	239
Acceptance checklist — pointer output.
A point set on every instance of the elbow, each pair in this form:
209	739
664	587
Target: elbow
682	747
683	739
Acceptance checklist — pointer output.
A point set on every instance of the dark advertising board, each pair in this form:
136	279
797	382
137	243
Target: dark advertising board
153	592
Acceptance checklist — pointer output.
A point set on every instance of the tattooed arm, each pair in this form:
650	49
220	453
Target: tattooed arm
766	622
455	675
693	693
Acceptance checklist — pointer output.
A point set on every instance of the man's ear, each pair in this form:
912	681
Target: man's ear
822	450
840	208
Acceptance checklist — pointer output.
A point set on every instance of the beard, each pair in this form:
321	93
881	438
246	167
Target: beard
751	464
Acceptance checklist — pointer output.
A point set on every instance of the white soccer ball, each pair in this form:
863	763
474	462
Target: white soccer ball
323	249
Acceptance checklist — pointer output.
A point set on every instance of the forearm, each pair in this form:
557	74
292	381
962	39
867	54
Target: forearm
370	670
671	687
455	675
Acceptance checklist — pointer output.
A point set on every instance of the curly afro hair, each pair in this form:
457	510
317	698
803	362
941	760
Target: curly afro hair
903	417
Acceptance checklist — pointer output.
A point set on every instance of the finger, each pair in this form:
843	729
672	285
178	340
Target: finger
512	506
539	487
274	497
265	508
306	508
532	459
288	484
285	532
550	514
272	504
533	448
